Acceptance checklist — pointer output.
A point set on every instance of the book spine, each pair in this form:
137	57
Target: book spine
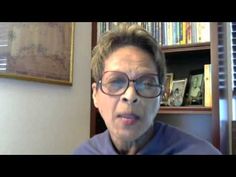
207	86
203	32
194	32
169	33
183	41
188	33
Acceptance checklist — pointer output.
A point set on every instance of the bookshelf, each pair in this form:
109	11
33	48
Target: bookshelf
188	47
181	59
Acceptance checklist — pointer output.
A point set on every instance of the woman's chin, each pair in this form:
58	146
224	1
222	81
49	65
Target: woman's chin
130	135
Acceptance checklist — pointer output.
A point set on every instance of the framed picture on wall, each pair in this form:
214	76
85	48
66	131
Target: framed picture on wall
37	51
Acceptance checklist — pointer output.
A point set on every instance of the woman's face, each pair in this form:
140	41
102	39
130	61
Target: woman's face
129	115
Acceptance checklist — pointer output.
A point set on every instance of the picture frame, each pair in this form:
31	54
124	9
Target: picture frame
37	51
177	92
196	85
167	88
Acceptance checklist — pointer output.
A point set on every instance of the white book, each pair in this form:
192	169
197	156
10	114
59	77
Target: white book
203	32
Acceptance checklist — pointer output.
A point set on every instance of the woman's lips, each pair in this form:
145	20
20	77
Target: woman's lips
128	118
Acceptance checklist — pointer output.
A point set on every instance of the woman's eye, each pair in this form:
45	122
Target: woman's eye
149	83
116	81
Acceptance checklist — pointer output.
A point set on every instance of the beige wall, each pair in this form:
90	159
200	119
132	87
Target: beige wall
38	118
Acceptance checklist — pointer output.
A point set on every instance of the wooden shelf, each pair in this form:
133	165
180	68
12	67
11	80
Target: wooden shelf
185	110
187	47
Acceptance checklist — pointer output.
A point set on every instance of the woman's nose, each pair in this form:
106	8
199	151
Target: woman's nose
130	96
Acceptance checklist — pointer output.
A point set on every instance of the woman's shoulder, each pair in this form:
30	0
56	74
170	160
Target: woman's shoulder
97	145
181	142
92	146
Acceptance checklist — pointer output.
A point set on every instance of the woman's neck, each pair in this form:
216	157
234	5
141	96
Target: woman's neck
132	147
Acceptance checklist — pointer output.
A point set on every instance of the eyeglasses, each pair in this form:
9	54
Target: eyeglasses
115	83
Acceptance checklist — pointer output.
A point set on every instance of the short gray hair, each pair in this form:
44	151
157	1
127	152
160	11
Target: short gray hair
122	35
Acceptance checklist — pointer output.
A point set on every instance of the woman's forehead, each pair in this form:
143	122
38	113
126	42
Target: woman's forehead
130	60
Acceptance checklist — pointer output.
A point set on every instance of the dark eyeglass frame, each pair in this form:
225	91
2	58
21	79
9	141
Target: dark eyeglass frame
129	80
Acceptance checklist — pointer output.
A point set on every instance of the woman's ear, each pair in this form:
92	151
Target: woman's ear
94	88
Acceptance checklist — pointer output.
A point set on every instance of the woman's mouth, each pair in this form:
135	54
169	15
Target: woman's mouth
128	118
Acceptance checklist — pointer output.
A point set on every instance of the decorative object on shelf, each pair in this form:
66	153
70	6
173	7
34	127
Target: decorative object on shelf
196	83
167	88
37	51
177	92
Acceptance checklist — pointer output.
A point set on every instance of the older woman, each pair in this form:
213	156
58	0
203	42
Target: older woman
129	70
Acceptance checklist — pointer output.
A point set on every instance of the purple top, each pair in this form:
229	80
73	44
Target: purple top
167	140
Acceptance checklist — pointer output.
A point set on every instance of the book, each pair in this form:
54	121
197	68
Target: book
208	86
203	32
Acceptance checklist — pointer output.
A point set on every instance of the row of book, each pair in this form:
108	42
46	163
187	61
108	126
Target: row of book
169	33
